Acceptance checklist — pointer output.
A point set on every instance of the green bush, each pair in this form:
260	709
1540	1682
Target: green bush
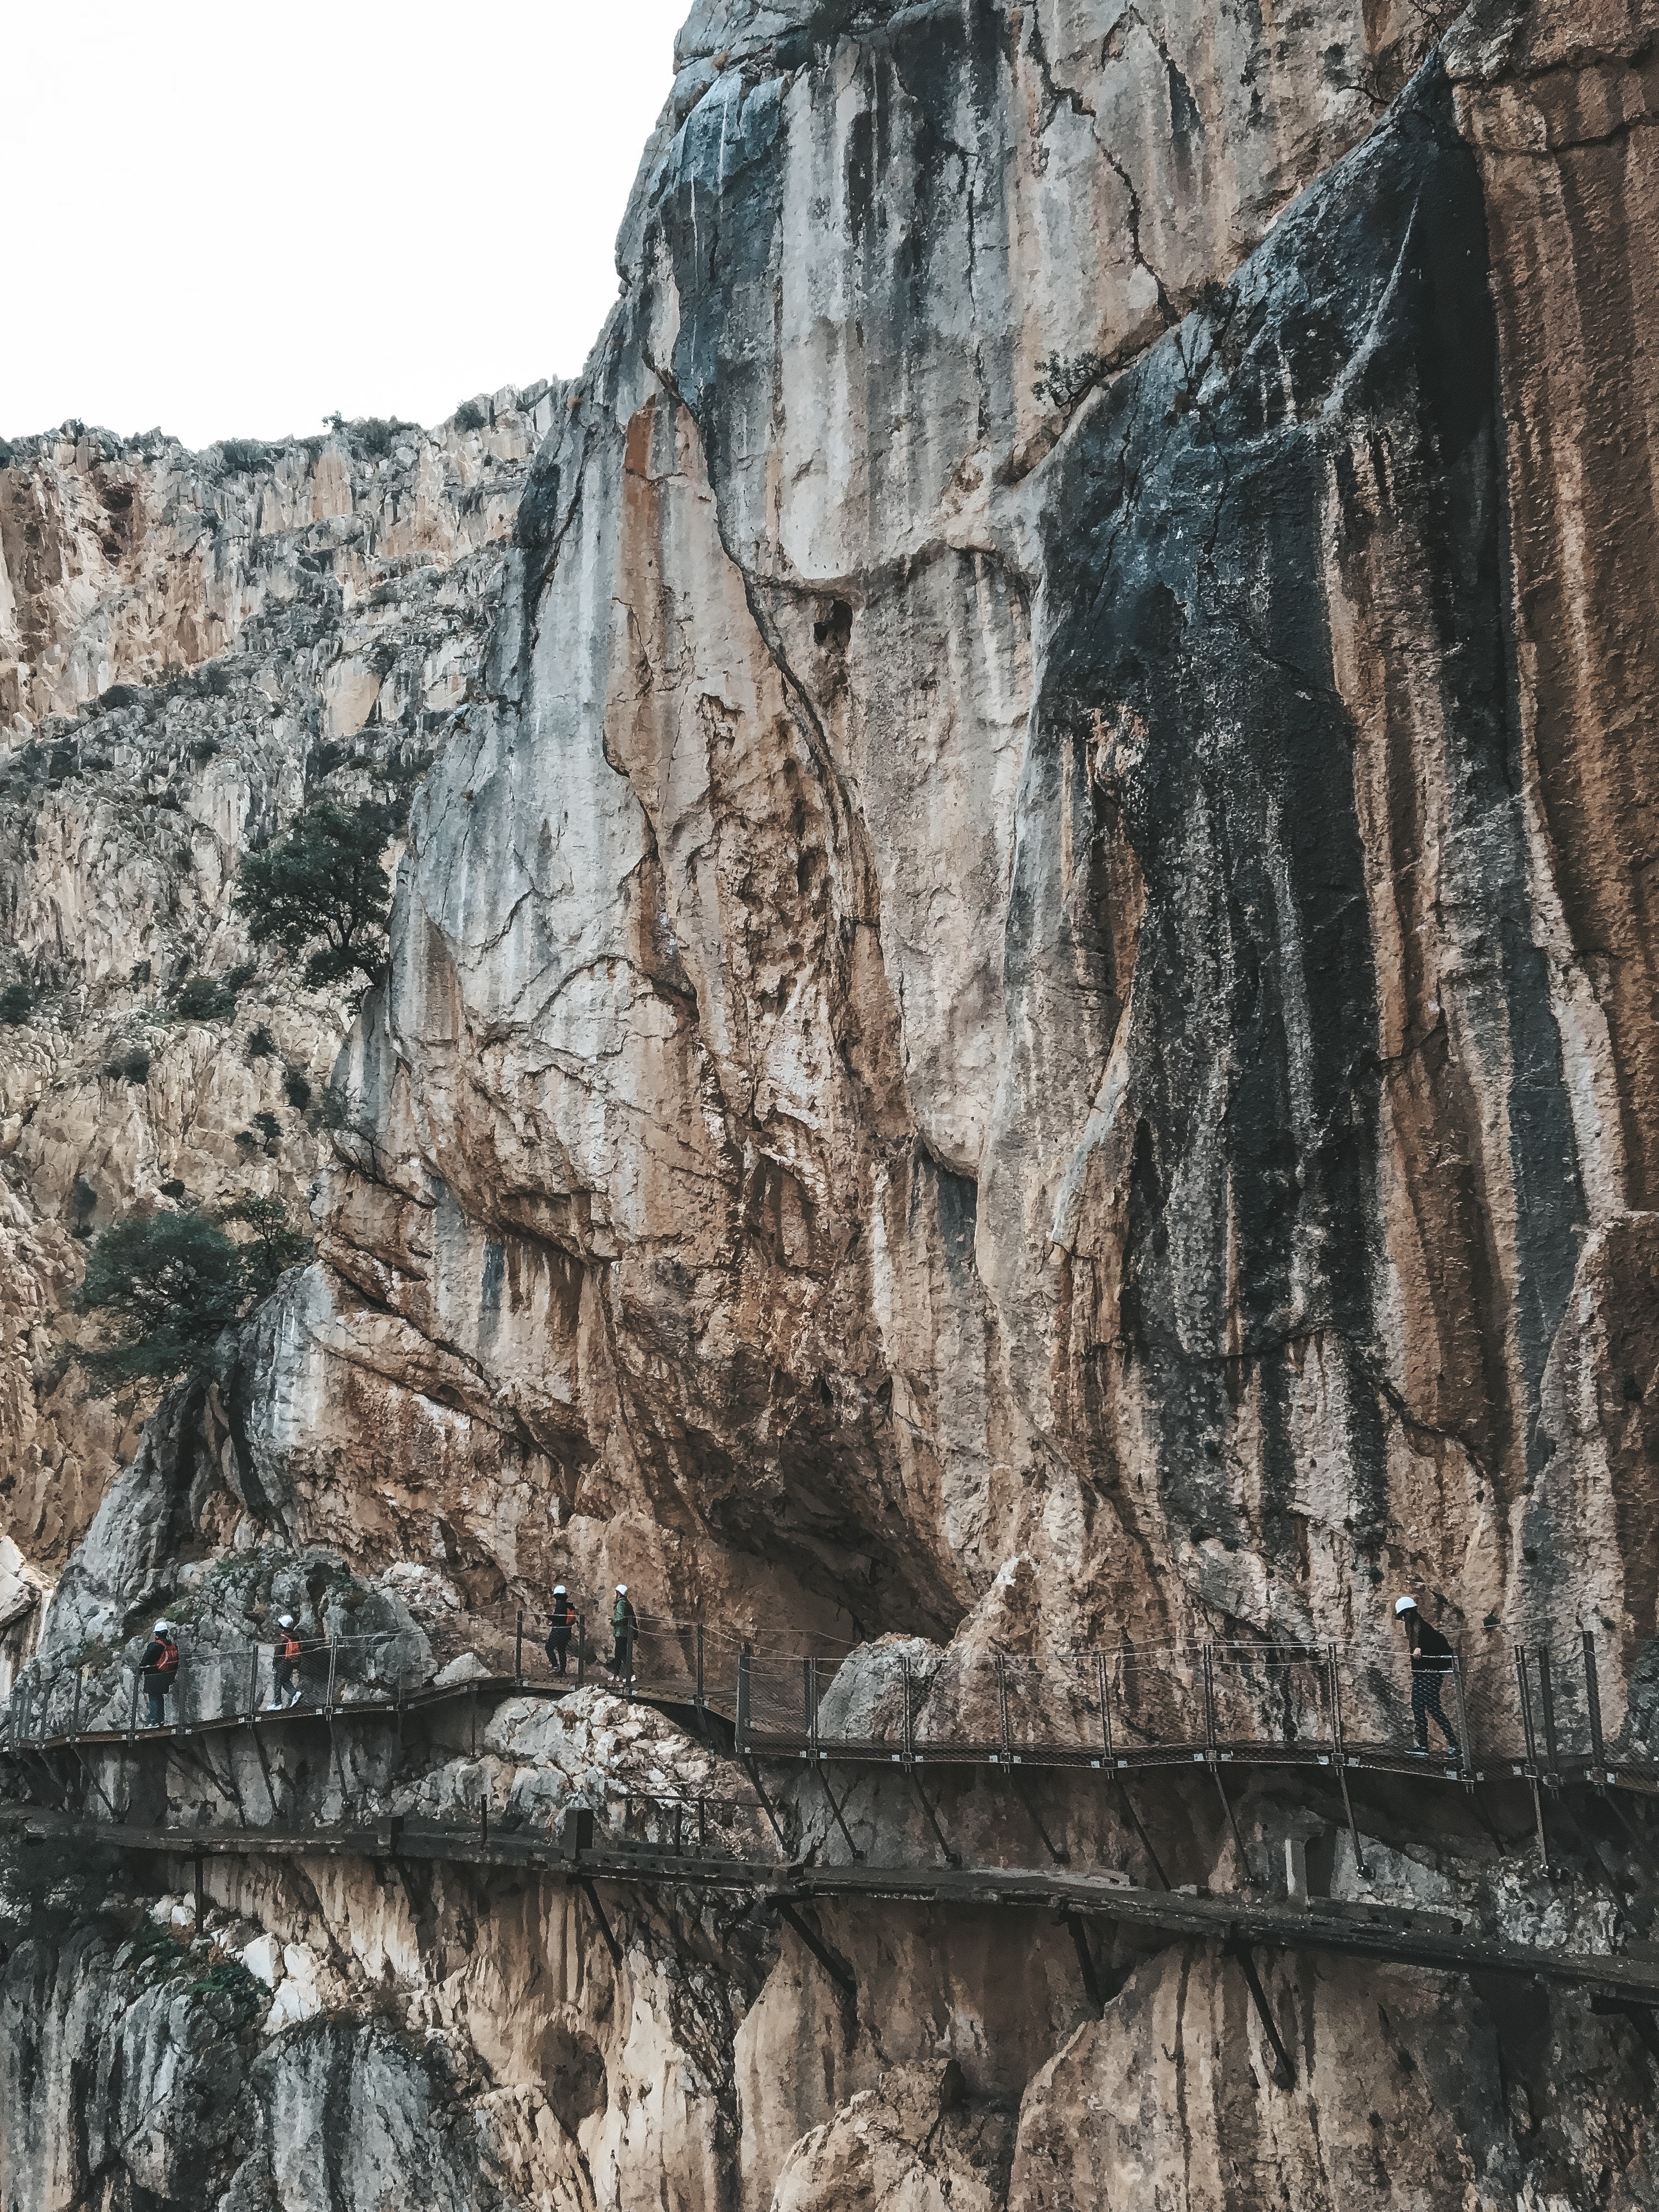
469	415
16	1003
170	1284
128	1067
241	456
204	998
378	433
140	972
7	449
273	1246
241	1994
268	1126
296	1089
261	1045
239	978
321	890
1063	381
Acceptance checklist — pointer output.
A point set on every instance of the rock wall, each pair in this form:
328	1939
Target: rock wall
1020	1011
191	645
1021	965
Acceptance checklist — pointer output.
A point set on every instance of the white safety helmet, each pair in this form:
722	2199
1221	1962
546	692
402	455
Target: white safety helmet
558	1589
161	1628
285	1620
622	1589
1405	1605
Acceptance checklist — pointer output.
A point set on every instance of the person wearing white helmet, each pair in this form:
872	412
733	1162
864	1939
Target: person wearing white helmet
624	1628
285	1666
1431	1661
558	1634
159	1668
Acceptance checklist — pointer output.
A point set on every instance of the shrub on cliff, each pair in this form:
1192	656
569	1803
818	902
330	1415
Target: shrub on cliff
321	890
170	1284
378	433
16	1004
205	999
241	456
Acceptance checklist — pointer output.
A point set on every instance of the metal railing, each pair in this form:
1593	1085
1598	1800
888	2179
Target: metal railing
1219	1703
1524	1709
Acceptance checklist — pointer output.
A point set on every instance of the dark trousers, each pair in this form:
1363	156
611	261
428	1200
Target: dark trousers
1425	1700
558	1645
155	1690
622	1665
286	1678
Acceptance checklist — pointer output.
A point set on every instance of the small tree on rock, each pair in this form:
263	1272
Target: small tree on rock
322	885
171	1284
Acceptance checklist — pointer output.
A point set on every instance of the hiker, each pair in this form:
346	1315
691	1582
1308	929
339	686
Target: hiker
160	1669
285	1669
1431	1661
624	1627
558	1636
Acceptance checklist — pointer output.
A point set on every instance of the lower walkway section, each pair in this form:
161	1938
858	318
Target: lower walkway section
1368	1931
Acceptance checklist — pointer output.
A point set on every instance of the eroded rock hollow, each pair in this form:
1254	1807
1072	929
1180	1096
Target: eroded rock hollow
1021	1024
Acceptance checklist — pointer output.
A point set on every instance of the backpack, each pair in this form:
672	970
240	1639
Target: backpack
169	1661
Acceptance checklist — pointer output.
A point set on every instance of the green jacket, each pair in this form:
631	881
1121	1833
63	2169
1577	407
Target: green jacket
622	1621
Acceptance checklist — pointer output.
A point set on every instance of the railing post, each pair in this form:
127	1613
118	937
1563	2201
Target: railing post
1532	1755
1526	1709
333	1665
906	1740
812	1704
252	1680
743	1703
582	1649
1002	1710
132	1718
699	1692
1105	1707
806	1700
80	1683
1546	1701
1465	1748
1334	1682
1593	1701
517	1651
1209	1700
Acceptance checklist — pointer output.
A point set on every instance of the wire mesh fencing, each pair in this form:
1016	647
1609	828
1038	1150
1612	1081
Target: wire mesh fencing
1529	1707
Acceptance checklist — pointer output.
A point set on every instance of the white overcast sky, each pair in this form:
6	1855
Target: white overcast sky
229	221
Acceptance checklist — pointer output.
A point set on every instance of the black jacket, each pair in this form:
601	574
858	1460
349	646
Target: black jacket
1430	1652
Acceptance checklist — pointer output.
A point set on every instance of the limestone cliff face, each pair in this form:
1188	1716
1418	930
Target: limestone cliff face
1022	1007
189	645
1053	975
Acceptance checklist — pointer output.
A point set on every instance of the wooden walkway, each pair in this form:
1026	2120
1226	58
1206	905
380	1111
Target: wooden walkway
1381	1934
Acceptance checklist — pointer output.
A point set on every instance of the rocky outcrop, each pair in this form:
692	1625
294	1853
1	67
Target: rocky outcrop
190	646
1020	1011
